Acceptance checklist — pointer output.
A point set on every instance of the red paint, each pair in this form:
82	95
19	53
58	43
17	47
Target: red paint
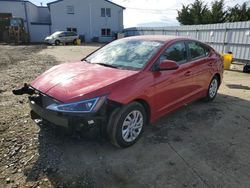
71	82
163	91
168	65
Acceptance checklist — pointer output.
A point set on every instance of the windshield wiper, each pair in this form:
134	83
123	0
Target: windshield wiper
107	65
85	59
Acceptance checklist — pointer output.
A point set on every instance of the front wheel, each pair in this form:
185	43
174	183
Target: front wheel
57	42
213	89
126	125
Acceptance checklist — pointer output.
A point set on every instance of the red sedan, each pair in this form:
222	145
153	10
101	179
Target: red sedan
127	84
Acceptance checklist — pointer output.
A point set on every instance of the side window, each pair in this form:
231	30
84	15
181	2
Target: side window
71	34
197	50
177	52
62	34
67	34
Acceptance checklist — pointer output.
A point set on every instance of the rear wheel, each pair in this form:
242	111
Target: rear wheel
126	125
213	88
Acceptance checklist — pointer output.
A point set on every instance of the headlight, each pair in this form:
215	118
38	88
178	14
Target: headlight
91	105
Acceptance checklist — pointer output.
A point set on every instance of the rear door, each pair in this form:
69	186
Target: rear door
173	87
71	36
202	64
68	36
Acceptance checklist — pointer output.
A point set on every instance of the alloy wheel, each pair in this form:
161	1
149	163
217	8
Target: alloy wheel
132	126
213	88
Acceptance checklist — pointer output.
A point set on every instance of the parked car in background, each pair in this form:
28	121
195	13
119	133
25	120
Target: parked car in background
127	84
64	37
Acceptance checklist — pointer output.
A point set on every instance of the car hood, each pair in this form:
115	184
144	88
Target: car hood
48	37
74	81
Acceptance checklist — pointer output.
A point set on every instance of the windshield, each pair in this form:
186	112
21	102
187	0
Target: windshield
127	54
56	33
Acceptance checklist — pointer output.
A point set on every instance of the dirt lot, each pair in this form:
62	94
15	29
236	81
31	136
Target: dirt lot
201	145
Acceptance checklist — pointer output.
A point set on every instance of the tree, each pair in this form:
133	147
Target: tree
218	15
199	13
196	13
184	16
238	13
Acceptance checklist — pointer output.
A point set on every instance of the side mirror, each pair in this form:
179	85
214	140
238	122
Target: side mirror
168	65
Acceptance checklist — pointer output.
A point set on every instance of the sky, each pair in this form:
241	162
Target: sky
152	13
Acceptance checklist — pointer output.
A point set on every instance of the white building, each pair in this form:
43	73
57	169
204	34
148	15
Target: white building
92	19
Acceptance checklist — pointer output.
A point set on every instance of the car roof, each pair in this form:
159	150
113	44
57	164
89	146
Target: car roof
58	32
160	38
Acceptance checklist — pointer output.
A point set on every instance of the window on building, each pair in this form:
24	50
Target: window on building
106	32
108	12
103	32
105	12
72	29
70	10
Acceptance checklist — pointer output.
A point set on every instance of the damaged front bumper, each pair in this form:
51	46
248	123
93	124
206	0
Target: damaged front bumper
38	103
71	120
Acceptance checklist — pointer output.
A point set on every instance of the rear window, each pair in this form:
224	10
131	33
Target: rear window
197	50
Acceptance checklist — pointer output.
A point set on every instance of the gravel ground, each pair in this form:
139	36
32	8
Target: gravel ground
200	145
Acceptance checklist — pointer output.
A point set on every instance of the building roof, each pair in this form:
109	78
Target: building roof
25	1
104	0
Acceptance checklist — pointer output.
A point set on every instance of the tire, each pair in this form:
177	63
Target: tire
246	68
122	131
57	42
213	89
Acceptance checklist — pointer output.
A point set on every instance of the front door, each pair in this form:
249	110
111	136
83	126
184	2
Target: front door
172	87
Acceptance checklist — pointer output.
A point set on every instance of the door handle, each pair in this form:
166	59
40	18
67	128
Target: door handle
210	64
188	73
